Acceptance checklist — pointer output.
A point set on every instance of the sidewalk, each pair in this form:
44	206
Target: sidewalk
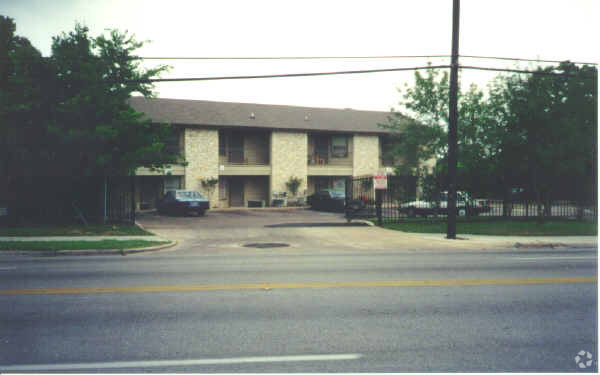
84	238
517	241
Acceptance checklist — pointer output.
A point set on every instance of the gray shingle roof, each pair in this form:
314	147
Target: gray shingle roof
283	117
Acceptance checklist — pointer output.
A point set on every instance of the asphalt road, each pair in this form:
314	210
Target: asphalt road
300	310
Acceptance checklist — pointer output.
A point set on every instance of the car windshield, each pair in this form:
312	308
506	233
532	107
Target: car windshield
337	194
188	194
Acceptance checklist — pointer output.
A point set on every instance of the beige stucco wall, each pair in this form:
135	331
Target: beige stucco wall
366	155
289	155
202	154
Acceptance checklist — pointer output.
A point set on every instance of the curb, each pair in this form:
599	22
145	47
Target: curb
121	252
369	223
553	245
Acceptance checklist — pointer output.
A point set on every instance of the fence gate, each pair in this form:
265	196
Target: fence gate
120	199
382	205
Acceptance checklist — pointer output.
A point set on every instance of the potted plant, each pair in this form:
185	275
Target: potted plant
293	184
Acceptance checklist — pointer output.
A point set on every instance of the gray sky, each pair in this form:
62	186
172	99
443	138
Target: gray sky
548	29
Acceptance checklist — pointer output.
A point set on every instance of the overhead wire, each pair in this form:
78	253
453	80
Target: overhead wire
312	74
350	58
538	72
290	57
293	74
522	59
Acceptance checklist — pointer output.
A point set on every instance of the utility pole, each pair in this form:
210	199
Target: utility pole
453	124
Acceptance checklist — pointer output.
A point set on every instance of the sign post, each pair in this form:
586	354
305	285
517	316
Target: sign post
380	184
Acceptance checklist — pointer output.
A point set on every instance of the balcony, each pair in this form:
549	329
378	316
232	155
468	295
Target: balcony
327	165
244	154
388	161
239	157
317	160
330	155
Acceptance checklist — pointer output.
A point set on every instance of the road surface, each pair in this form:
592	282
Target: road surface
300	310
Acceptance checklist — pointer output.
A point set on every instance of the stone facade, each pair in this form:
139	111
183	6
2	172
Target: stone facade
201	147
287	156
289	152
366	155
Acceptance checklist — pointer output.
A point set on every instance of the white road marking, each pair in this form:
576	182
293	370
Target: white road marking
172	363
7	268
592	257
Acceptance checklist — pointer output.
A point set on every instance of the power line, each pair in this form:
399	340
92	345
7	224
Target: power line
528	72
291	57
290	75
521	59
350	58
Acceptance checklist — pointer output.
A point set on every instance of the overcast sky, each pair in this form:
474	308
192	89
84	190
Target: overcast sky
546	29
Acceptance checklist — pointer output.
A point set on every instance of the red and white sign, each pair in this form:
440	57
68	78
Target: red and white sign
380	182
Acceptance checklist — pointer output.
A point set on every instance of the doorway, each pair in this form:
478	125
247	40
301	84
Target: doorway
236	192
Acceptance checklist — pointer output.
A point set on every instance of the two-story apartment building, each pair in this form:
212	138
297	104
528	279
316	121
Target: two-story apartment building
254	149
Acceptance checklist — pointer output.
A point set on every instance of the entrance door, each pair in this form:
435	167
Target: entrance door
236	192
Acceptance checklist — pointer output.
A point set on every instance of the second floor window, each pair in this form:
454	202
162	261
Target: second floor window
339	146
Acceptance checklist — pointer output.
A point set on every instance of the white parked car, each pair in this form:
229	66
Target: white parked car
465	206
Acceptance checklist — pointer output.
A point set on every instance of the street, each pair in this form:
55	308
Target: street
300	310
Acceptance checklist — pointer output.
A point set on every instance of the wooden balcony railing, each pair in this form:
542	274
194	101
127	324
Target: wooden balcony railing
238	157
387	161
317	160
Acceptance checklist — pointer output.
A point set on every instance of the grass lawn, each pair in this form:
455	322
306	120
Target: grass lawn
77	245
502	227
74	230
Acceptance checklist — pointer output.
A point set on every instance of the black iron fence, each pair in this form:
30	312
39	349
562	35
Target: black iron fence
66	200
400	202
120	199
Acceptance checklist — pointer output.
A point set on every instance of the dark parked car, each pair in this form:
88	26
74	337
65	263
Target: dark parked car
183	202
327	200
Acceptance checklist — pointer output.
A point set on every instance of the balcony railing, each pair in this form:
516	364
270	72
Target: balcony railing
317	160
239	157
387	161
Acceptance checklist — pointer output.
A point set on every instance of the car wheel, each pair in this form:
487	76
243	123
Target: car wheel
201	212
462	212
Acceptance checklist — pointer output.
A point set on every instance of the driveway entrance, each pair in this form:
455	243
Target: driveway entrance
231	229
234	228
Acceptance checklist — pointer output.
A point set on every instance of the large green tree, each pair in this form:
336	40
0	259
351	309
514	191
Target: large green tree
68	114
426	137
548	126
533	131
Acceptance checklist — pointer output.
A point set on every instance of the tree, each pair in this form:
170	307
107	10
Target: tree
535	131
426	137
551	124
68	114
70	111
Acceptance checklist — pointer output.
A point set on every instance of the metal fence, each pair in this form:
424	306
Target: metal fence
120	199
400	202
67	200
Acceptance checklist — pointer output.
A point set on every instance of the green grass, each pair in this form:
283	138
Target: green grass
74	230
502	227
77	245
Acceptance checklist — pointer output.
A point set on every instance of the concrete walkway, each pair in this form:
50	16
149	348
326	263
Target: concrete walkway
83	238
